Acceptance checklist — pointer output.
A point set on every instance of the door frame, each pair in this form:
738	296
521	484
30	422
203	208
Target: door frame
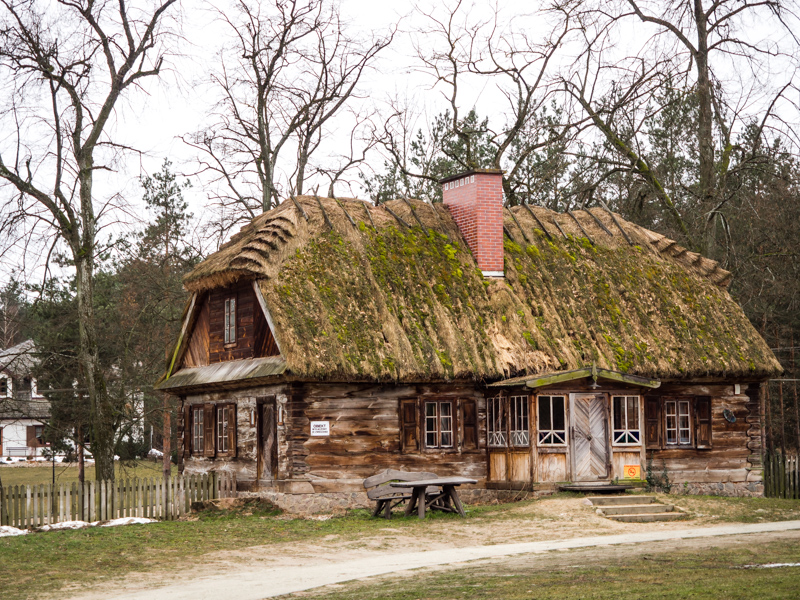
573	396
261	404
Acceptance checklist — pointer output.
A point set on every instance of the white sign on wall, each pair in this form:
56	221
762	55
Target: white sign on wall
320	428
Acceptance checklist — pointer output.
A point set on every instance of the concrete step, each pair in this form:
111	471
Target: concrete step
665	516
634	509
624	500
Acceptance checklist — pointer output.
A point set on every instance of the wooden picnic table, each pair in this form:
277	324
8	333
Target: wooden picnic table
446	499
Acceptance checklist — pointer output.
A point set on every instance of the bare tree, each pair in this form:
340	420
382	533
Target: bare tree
66	67
461	52
293	70
707	48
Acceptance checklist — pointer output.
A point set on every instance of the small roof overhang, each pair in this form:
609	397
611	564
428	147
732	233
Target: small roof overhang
543	379
224	372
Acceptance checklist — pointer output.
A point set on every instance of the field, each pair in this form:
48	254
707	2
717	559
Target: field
68	472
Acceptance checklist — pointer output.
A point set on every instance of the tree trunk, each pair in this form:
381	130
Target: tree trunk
705	136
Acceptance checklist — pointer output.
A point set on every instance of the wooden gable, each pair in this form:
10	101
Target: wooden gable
206	342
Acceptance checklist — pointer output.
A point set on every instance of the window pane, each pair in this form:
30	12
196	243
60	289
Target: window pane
446	424
633	412
618	412
545	422
430	425
559	416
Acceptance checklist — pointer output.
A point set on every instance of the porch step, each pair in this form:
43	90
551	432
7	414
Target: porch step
664	516
634	509
620	500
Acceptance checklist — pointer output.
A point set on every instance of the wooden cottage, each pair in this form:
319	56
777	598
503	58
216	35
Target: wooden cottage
331	338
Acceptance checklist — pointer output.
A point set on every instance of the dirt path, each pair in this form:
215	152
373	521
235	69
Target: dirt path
268	571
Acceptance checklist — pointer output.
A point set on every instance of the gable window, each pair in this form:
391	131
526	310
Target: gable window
626	430
198	443
552	420
677	422
439	424
230	321
5	386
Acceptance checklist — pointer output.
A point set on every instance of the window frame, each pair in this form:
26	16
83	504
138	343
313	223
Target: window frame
679	403
197	440
626	430
229	333
222	429
8	385
496	430
437	419
551	432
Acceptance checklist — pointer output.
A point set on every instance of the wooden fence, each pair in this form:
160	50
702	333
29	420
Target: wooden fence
36	505
781	476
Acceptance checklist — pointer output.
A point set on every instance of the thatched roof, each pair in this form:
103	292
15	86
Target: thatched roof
398	296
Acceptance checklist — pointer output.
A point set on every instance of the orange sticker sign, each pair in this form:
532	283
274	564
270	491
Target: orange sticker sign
633	471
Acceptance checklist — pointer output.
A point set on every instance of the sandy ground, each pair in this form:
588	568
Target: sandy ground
548	520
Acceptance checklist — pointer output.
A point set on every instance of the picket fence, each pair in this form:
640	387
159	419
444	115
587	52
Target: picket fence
27	506
781	476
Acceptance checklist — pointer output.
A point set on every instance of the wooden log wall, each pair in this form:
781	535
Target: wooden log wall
365	435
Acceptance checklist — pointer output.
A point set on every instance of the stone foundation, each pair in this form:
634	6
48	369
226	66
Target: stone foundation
738	489
339	502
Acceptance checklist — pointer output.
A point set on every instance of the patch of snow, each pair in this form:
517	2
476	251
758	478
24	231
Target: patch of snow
319	517
128	521
7	531
772	565
153	453
65	525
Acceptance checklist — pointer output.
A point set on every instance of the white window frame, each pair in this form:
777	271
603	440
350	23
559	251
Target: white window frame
438	425
9	386
198	432
520	421
496	424
223	425
230	320
551	437
626	436
680	408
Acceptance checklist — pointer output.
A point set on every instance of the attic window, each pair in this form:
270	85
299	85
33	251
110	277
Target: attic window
3	387
230	321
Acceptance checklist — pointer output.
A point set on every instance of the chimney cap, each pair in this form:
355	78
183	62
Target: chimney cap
472	172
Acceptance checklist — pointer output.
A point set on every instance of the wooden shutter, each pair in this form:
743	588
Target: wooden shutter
30	434
209	430
702	420
470	419
187	430
232	418
652	420
408	426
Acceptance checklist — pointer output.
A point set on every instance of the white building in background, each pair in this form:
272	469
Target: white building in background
23	410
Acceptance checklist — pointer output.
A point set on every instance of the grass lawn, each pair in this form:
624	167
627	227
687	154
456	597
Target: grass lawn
39	563
68	472
711	574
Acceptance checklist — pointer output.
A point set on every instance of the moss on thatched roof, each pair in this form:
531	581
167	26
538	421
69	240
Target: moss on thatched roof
398	296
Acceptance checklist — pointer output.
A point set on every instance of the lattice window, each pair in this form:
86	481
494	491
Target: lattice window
520	422
197	429
439	424
627	431
223	413
678	422
552	420
496	426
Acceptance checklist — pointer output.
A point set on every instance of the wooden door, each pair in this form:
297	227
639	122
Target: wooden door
267	439
589	439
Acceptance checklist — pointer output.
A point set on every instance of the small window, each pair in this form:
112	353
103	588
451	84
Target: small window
4	387
678	422
230	321
439	424
198	441
626	421
223	413
552	421
38	433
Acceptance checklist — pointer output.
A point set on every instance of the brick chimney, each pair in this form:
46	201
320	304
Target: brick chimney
475	199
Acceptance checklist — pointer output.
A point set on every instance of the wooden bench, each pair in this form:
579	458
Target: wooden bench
388	497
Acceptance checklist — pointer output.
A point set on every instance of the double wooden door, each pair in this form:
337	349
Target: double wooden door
589	439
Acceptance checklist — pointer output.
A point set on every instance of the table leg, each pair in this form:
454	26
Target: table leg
412	501
451	490
421	503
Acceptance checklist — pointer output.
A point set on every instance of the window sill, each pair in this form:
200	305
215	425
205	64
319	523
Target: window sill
230	346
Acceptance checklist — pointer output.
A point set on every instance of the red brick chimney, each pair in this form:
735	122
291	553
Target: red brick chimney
475	199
